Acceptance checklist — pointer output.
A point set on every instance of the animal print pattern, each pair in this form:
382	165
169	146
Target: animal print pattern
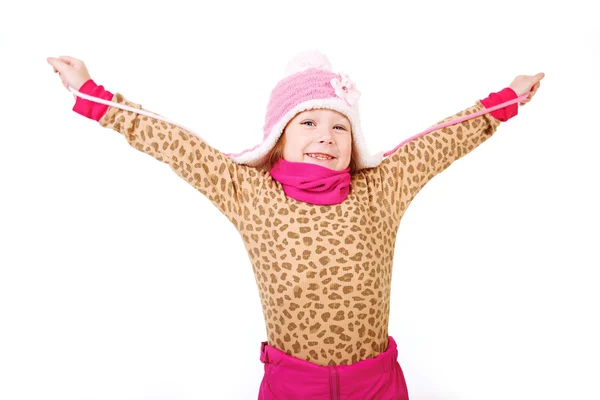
323	272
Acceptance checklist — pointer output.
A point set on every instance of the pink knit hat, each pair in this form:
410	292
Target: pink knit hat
309	83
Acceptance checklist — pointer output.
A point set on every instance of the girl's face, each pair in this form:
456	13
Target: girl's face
319	132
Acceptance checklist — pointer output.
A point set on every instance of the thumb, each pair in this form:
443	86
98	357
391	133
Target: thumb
538	77
58	65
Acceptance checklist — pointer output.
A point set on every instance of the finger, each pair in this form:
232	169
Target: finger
53	67
59	65
70	60
64	82
534	88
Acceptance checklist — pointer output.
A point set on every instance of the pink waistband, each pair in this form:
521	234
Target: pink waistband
375	366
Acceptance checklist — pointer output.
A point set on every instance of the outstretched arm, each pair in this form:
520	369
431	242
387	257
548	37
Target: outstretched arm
231	187
413	164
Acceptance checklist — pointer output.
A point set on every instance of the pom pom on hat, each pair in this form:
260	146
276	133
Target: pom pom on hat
307	59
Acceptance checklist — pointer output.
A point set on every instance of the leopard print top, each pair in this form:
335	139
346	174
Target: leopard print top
323	272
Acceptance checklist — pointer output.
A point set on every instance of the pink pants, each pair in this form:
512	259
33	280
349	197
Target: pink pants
290	378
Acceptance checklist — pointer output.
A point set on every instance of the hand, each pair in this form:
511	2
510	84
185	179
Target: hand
72	71
524	83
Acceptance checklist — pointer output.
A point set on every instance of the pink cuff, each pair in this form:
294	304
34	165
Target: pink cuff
90	109
504	113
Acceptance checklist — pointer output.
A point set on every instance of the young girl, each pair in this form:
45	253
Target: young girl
317	212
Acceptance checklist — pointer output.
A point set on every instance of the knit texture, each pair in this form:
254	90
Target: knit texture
505	113
308	85
90	109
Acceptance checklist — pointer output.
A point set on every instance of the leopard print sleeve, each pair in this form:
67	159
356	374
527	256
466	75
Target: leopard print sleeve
231	187
408	169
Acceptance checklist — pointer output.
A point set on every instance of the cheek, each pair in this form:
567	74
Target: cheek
348	148
293	149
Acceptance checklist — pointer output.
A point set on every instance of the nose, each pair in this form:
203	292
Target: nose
325	137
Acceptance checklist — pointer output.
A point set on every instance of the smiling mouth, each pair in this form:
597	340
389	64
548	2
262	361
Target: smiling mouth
318	156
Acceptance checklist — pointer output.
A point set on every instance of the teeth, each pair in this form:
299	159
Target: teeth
320	157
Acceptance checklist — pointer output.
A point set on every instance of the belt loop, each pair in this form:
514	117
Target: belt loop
391	355
263	354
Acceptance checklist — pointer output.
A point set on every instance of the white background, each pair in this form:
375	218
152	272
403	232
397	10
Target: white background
118	280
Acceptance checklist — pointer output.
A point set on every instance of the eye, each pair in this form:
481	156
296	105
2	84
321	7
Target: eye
312	122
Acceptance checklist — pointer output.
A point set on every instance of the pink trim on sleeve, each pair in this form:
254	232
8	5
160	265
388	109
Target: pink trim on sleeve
505	113
90	109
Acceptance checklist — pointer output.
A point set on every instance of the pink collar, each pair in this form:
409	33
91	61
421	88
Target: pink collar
312	183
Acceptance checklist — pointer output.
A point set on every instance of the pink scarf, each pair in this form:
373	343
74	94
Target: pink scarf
312	183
